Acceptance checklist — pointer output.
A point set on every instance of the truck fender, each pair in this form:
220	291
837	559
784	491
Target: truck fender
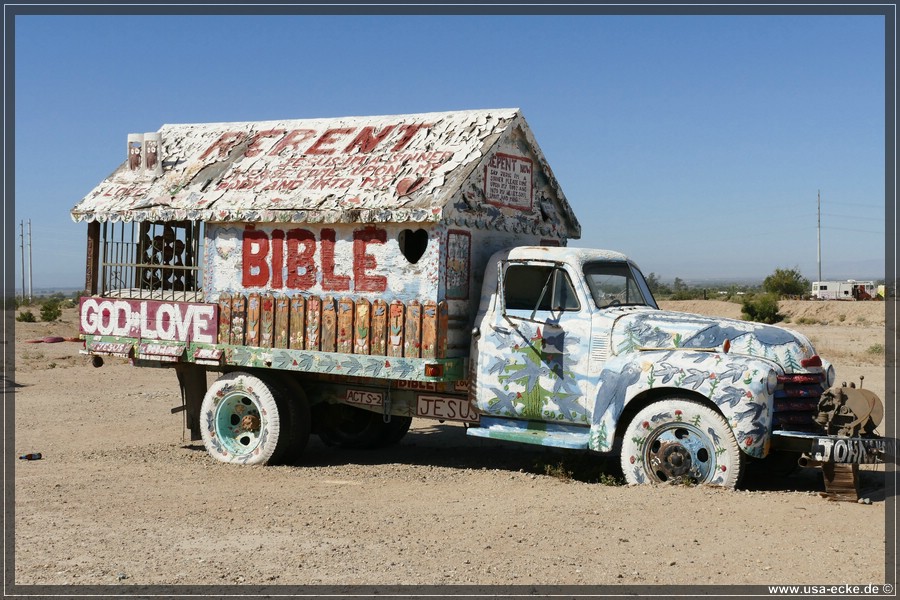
740	387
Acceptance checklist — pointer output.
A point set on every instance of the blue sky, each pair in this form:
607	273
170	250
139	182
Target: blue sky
695	144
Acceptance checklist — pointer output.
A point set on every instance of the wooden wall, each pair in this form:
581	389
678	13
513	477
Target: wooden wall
330	324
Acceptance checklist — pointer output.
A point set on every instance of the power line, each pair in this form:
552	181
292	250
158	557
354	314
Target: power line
852	217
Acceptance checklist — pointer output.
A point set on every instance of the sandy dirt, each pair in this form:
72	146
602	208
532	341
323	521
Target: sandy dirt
121	497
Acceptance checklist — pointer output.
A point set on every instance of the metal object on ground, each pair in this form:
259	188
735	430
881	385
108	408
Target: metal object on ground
849	411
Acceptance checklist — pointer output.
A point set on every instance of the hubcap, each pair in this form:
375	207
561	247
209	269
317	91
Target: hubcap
679	451
238	423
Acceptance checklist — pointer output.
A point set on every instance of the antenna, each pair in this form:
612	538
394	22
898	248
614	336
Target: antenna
819	231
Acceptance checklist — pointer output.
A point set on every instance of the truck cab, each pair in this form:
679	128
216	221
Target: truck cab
570	349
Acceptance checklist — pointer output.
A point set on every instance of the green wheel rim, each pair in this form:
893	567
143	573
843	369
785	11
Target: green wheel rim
238	434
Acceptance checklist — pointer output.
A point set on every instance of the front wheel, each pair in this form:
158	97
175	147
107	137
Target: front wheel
244	420
678	440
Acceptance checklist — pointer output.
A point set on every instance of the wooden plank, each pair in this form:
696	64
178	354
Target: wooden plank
395	329
345	325
443	329
267	321
282	320
329	324
313	322
252	333
378	333
412	330
238	319
362	325
429	329
224	318
297	327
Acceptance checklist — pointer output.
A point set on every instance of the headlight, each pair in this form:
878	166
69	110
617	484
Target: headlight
771	382
830	376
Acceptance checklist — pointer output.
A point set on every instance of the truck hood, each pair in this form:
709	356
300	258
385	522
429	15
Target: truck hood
633	330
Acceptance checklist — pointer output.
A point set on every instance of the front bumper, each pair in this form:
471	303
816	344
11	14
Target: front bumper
837	449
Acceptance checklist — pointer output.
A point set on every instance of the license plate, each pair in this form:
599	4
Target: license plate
852	450
364	398
446	408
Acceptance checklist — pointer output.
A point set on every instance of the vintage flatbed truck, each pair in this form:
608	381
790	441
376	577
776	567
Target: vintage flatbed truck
342	276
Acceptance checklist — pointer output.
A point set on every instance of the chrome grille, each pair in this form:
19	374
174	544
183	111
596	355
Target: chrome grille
796	402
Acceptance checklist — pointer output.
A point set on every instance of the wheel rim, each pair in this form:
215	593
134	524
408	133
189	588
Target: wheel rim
680	451
238	423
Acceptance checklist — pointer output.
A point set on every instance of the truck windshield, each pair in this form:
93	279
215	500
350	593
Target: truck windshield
617	284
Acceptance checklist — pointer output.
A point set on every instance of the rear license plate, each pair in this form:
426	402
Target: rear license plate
364	398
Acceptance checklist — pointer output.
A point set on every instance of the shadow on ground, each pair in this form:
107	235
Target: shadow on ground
442	445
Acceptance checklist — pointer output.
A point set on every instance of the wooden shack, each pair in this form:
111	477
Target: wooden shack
359	235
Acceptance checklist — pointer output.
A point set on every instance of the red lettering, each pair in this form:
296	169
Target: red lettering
366	141
409	132
330	281
226	142
277	258
327	138
292	140
301	247
363	261
255	251
253	149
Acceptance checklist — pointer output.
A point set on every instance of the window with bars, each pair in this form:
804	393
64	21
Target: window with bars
153	260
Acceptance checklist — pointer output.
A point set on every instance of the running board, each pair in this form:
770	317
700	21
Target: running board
528	432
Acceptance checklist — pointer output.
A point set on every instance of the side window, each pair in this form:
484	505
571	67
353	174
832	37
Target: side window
533	287
564	297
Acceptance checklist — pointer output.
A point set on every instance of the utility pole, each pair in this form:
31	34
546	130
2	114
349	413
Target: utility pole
30	266
22	248
819	231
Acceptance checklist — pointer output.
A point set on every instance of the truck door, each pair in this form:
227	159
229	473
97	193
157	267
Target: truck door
531	354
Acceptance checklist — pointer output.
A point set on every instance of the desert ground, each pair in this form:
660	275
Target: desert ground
121	496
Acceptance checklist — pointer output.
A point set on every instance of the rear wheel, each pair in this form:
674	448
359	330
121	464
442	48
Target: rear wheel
246	420
679	440
351	427
395	430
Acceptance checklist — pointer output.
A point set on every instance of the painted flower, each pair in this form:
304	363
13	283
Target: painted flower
677	412
646	425
748	441
632	459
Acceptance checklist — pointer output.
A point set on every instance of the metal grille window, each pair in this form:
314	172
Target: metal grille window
159	261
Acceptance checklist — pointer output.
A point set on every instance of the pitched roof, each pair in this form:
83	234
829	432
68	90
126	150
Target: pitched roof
353	169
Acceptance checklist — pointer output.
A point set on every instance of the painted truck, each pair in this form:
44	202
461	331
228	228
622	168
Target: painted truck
340	277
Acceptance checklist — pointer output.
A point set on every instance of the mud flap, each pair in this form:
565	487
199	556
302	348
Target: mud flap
192	381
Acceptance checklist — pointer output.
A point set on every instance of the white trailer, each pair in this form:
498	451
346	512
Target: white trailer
843	290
